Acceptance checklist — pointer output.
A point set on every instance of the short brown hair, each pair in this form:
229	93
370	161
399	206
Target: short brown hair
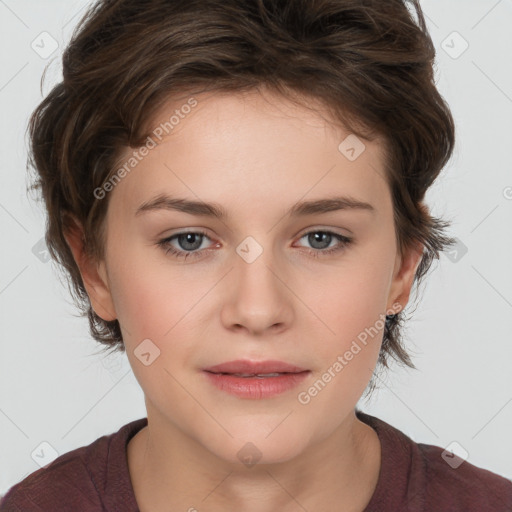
369	62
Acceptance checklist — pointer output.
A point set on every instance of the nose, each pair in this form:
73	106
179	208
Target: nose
258	299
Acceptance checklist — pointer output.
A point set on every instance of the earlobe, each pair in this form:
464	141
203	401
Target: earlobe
94	275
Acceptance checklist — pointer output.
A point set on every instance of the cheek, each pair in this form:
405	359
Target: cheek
151	295
352	310
142	308
350	298
351	304
155	304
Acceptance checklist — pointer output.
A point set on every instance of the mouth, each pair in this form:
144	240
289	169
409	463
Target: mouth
255	379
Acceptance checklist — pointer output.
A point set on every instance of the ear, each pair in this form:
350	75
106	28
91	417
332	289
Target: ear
94	274
403	277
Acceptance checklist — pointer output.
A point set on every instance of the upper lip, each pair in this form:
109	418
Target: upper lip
254	367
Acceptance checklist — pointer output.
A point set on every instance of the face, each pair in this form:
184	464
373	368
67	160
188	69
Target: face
267	280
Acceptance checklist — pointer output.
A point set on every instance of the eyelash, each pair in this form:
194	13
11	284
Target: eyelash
316	253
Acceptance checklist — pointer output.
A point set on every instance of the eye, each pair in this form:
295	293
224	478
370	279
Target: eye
190	243
321	240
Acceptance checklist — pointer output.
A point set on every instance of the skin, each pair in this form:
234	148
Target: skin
256	154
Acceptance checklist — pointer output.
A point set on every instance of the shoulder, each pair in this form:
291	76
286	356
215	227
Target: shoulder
76	480
63	484
424	477
457	483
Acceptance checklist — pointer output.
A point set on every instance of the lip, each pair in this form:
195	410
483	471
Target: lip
246	366
221	376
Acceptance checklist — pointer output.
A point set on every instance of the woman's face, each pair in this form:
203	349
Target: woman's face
272	279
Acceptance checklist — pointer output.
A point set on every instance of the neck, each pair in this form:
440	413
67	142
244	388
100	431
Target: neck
169	468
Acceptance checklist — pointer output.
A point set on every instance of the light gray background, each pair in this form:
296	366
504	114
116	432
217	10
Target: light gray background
55	388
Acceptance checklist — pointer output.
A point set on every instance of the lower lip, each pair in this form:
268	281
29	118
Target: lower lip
256	388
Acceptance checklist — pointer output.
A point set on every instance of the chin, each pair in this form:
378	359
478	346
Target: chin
254	446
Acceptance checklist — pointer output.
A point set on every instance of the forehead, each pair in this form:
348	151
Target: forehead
256	146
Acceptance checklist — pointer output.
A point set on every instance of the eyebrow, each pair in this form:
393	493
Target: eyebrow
303	208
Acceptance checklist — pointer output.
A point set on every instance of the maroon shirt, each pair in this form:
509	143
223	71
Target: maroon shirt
413	477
